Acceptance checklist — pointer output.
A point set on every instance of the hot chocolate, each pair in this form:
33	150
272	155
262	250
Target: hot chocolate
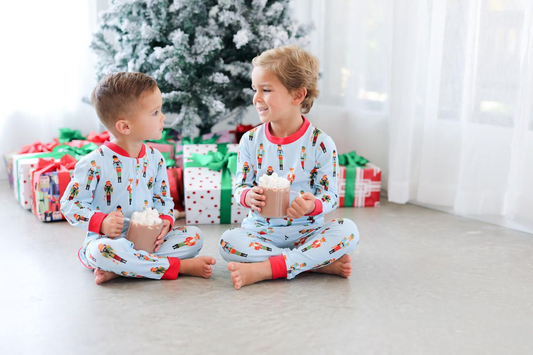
144	229
276	203
277	191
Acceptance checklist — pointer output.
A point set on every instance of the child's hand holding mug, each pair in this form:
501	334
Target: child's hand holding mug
255	198
301	206
112	224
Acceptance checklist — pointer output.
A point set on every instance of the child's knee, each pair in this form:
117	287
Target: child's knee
197	234
348	232
95	251
350	228
226	243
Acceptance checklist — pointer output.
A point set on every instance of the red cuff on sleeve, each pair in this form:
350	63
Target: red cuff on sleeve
243	198
96	222
279	269
173	269
170	219
318	208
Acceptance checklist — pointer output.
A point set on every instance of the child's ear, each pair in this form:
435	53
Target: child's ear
122	126
298	96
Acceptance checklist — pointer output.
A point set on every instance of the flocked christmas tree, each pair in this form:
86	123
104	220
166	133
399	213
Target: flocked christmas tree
199	52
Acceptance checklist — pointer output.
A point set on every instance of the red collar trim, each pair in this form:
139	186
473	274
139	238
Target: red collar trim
115	148
287	140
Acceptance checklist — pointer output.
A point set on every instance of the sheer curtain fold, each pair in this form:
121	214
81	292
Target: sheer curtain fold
48	70
457	99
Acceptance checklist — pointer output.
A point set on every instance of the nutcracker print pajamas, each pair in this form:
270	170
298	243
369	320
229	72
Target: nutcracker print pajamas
108	180
308	160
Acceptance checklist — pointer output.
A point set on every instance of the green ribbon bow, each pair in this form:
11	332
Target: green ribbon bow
68	135
219	160
164	138
351	161
168	161
75	152
198	140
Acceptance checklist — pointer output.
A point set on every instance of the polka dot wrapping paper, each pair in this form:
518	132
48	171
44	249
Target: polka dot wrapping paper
203	188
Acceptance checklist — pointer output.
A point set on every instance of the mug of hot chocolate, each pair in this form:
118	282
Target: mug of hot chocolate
278	195
144	228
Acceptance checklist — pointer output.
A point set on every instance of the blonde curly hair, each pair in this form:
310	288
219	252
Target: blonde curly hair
295	68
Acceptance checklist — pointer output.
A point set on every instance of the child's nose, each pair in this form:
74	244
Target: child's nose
257	98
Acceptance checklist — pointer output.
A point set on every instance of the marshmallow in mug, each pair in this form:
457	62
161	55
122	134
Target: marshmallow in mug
148	217
274	182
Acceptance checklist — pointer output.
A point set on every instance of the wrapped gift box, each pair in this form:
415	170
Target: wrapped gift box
23	166
8	159
49	181
204	188
20	160
25	171
175	185
240	130
208	138
365	188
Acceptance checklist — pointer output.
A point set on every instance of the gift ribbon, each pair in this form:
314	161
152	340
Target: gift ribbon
67	135
165	138
219	160
168	160
98	138
56	153
351	161
198	140
75	152
38	147
66	163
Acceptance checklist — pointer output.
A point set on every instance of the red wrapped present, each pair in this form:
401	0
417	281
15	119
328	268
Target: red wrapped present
240	130
49	182
175	179
359	182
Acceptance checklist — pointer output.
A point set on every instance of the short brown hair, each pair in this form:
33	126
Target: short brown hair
117	93
295	68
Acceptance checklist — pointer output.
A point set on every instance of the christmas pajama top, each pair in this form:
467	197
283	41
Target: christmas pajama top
108	180
308	159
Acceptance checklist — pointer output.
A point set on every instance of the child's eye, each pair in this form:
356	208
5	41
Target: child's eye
266	90
155	113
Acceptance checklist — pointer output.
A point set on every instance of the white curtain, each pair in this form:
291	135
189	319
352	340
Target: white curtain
47	68
454	81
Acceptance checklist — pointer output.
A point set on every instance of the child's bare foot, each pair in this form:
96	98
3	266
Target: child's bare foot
341	267
199	266
101	276
246	274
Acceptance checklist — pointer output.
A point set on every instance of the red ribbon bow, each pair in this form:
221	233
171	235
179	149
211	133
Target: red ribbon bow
66	163
98	138
38	147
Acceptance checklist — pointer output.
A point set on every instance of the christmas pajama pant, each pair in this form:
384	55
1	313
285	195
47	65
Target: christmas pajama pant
303	247
118	255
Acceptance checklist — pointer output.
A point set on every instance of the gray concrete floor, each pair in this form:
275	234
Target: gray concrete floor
424	282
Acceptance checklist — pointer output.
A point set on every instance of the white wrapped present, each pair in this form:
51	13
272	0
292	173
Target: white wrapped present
208	197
